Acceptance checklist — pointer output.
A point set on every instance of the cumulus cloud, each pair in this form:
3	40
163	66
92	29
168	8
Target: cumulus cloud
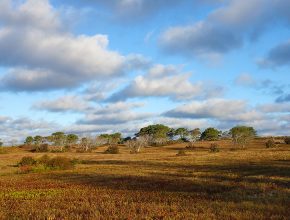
275	107
218	109
224	29
114	113
245	79
131	11
165	81
277	56
268	119
283	98
42	56
16	129
67	103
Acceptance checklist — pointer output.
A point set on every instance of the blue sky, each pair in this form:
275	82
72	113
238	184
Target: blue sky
98	66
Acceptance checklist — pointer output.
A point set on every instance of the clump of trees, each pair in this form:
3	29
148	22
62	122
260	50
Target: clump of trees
214	148
241	135
210	134
152	135
287	140
29	164
270	143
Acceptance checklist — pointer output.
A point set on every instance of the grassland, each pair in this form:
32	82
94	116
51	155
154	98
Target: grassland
251	183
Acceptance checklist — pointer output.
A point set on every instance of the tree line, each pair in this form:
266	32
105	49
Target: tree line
154	135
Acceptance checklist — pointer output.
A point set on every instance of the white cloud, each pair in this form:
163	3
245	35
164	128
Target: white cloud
245	79
166	81
275	108
67	103
16	129
43	56
218	109
225	29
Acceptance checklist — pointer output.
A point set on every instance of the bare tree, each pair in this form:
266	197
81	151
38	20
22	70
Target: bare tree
137	144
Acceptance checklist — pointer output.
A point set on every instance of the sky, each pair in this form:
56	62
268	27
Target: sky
103	66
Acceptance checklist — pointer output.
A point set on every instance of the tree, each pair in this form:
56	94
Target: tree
71	139
86	143
115	138
195	134
29	140
37	140
182	132
58	138
171	133
241	135
111	138
1	143
154	131
138	143
210	134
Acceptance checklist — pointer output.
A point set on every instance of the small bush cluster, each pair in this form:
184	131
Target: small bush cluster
190	146
81	150
27	161
113	149
61	163
270	143
214	148
3	150
57	151
181	152
41	148
28	164
287	140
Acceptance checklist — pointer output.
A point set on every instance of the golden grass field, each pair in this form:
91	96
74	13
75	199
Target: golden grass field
251	183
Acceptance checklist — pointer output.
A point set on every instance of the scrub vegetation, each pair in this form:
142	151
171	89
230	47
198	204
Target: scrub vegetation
210	179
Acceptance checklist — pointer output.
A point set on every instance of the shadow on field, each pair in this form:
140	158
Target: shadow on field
279	168
142	183
212	180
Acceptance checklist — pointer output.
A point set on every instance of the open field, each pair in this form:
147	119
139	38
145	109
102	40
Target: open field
251	183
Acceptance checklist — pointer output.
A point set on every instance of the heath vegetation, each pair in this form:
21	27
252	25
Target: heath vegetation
158	174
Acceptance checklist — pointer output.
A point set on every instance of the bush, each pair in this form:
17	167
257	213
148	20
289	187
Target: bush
181	152
190	146
114	149
61	163
44	163
82	150
44	159
25	169
41	148
270	143
287	140
3	150
214	148
57	151
27	161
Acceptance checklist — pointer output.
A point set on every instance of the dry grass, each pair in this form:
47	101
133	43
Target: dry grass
252	183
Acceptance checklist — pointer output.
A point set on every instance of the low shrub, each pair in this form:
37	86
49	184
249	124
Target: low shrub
3	150
41	148
214	148
190	146
82	150
270	143
181	152
25	169
171	142
57	151
287	140
114	149
61	163
27	161
44	159
29	164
